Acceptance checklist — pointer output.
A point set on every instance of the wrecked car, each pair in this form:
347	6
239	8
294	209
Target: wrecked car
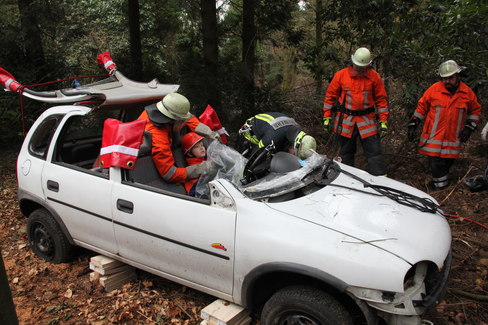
322	243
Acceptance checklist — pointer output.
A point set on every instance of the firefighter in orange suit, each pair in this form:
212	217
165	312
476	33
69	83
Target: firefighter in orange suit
164	120
450	112
355	103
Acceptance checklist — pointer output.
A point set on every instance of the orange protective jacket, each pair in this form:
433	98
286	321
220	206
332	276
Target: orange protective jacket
445	116
357	93
162	155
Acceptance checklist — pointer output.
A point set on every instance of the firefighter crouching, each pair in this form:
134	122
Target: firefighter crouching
274	131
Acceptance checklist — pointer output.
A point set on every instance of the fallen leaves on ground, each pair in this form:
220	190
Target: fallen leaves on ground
51	294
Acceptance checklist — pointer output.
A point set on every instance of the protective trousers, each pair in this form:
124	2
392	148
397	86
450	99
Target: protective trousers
371	148
439	167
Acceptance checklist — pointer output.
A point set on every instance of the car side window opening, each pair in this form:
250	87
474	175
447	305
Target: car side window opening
81	138
39	143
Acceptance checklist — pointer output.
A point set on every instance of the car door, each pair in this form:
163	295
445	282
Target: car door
189	241
81	196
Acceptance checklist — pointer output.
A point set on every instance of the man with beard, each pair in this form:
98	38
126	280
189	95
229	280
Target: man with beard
450	112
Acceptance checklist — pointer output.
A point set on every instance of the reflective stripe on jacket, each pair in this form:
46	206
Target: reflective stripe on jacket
161	149
445	116
357	93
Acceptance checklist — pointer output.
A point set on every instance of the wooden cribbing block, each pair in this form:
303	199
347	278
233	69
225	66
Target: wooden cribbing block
221	312
104	262
104	271
117	277
116	280
94	276
111	274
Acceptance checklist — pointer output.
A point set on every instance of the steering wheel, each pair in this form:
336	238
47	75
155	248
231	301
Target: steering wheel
257	165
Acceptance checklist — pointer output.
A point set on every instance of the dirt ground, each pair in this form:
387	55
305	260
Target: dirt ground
45	293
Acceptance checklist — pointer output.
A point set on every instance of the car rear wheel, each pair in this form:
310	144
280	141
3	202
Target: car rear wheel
46	239
302	305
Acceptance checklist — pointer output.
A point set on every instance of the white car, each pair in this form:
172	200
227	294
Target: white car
323	244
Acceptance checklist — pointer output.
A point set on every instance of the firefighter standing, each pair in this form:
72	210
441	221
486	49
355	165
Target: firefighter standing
362	99
450	112
164	120
275	131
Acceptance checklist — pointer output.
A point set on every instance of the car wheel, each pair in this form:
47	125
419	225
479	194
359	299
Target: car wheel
46	239
302	305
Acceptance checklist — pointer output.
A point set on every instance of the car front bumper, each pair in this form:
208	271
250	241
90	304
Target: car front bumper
424	286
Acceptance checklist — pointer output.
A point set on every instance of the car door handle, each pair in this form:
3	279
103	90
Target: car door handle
125	206
53	186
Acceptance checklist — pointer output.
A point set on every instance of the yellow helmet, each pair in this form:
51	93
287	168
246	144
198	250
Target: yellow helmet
448	68
362	57
175	106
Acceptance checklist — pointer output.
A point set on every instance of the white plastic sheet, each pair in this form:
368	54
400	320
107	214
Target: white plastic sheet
227	164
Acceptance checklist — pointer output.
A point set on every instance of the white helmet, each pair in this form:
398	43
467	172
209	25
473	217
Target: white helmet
448	68
175	106
362	57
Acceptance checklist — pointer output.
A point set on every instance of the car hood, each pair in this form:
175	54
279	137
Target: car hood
366	217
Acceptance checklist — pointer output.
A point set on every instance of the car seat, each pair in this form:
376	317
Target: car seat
145	171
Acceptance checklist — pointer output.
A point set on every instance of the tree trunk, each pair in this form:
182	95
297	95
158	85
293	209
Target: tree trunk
290	69
136	68
210	51
248	58
34	58
318	75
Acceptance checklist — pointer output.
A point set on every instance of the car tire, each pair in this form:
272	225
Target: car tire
46	239
304	305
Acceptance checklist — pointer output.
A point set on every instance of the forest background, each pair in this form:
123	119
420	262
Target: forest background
242	57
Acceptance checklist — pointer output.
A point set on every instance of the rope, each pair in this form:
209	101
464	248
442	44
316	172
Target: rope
470	220
66	79
21	91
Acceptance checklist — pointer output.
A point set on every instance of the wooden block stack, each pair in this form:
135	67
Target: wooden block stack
221	312
111	274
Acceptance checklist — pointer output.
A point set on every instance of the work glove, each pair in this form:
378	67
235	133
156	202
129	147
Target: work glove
215	136
383	129
466	132
206	132
412	126
195	171
326	124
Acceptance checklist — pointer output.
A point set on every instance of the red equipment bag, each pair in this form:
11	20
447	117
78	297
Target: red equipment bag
105	60
121	143
210	118
8	81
